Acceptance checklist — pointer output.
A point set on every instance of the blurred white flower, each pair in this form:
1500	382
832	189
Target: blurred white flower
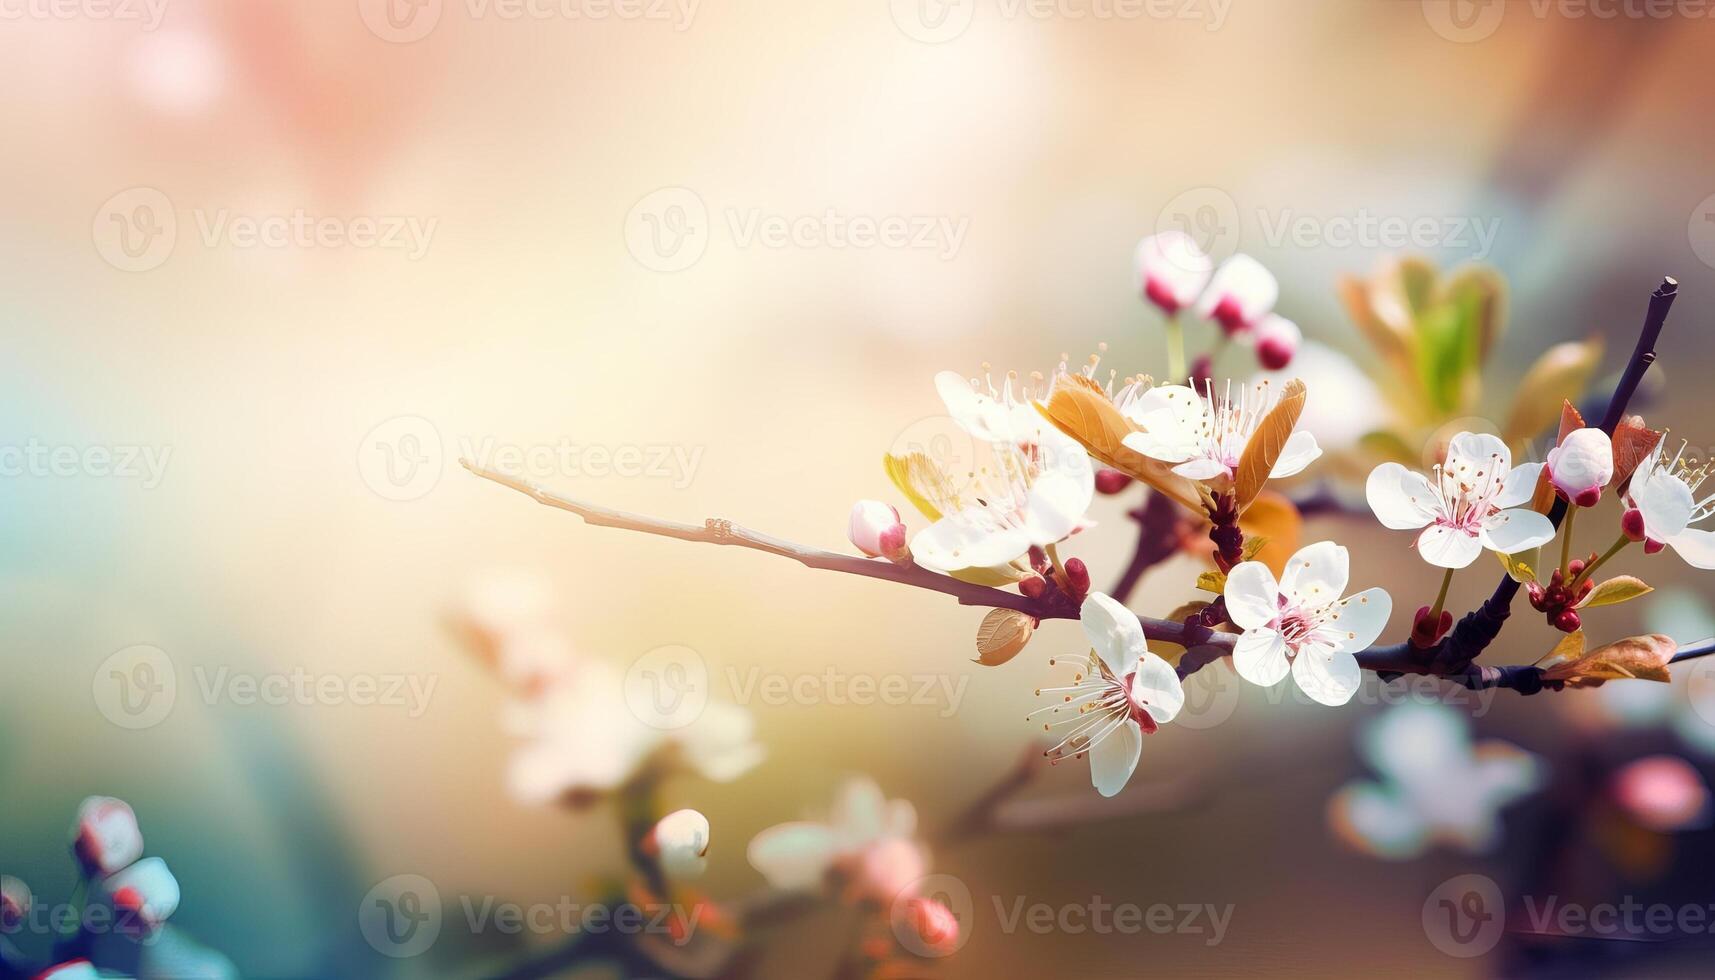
681	841
1277	342
1663	492
1435	786
1476	501
870	839
1301	624
144	895
1582	465
1204	434
582	738
1128	692
70	970
106	837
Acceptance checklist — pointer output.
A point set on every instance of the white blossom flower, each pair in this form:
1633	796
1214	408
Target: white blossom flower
582	738
15	902
1582	465
1241	293
1435	786
1037	492
1172	270
1664	492
867	836
1125	692
1663	793
681	842
106	837
1474	502
1205	434
1302	625
1277	340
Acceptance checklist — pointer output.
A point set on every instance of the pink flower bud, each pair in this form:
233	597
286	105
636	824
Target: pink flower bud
1632	524
1663	793
15	902
144	896
1567	621
106	837
927	927
1653	547
888	867
1581	466
1078	577
1240	295
1110	482
680	841
875	529
1277	339
1202	369
1172	270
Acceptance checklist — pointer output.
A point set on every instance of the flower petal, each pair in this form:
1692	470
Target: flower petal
968	539
976	413
1157	687
1114	758
1327	676
793	856
1203	468
1316	574
1114	633
1056	503
1253	596
1444	547
1471	452
1512	531
1402	499
1696	546
1260	657
1359	619
1521	486
1665	502
1299	451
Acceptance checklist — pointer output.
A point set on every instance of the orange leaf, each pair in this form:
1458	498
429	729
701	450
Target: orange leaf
1570	421
1003	633
1635	657
1086	413
1633	443
1273	516
1263	449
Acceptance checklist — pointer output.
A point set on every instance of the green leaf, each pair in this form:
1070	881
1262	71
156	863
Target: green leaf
1254	544
1215	582
1615	590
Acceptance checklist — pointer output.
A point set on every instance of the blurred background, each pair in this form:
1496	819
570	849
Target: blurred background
280	265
